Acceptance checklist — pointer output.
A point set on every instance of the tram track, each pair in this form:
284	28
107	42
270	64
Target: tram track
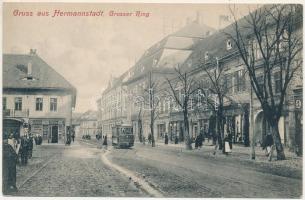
139	182
19	186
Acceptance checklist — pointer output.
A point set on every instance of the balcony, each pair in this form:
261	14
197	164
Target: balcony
16	113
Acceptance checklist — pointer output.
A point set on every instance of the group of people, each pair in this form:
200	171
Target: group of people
70	136
16	150
166	139
199	140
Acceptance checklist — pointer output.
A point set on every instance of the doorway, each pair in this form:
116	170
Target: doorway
54	134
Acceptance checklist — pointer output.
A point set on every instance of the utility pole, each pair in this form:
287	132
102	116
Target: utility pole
252	125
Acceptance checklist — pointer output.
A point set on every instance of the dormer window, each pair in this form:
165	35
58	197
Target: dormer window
229	44
155	61
206	55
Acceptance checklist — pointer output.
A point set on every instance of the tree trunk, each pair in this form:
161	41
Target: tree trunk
246	128
152	134
277	139
188	142
140	130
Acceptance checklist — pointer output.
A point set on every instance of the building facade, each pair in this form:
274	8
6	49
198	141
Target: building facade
89	124
212	51
35	94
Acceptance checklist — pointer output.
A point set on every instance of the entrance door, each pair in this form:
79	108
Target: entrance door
54	134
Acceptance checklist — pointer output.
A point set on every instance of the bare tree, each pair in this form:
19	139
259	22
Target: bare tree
218	87
182	89
269	47
153	101
140	126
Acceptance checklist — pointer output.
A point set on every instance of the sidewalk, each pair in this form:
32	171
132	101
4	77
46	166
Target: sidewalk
291	167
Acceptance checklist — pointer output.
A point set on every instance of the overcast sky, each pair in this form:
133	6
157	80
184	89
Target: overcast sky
87	51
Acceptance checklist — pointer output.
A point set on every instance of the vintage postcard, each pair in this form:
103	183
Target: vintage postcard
185	100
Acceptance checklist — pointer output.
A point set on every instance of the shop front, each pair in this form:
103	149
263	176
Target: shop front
51	130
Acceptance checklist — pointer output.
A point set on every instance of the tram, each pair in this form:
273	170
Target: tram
122	136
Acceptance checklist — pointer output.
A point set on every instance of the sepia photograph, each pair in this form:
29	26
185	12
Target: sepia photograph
152	100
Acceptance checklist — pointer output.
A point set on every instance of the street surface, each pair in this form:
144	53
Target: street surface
77	170
84	170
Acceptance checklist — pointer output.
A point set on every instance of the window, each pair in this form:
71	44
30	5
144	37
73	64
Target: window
18	103
241	80
53	104
235	82
277	82
39	104
4	103
260	80
228	83
229	44
256	50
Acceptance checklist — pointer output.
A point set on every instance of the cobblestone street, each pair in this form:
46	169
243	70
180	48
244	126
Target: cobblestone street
81	170
74	170
180	173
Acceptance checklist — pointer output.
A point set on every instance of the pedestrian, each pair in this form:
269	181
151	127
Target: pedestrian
39	139
196	141
105	141
149	138
166	138
201	140
73	135
68	141
9	168
30	146
176	140
24	150
226	146
269	145
230	140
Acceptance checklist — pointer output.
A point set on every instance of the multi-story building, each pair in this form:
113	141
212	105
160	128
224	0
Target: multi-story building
111	105
88	124
212	50
117	104
35	94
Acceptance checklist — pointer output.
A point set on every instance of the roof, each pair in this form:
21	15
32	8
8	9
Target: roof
171	51
89	115
216	44
194	30
15	68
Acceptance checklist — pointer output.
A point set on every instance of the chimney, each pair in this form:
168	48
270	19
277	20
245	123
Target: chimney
30	69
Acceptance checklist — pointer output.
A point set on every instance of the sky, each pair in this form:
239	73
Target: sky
89	50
